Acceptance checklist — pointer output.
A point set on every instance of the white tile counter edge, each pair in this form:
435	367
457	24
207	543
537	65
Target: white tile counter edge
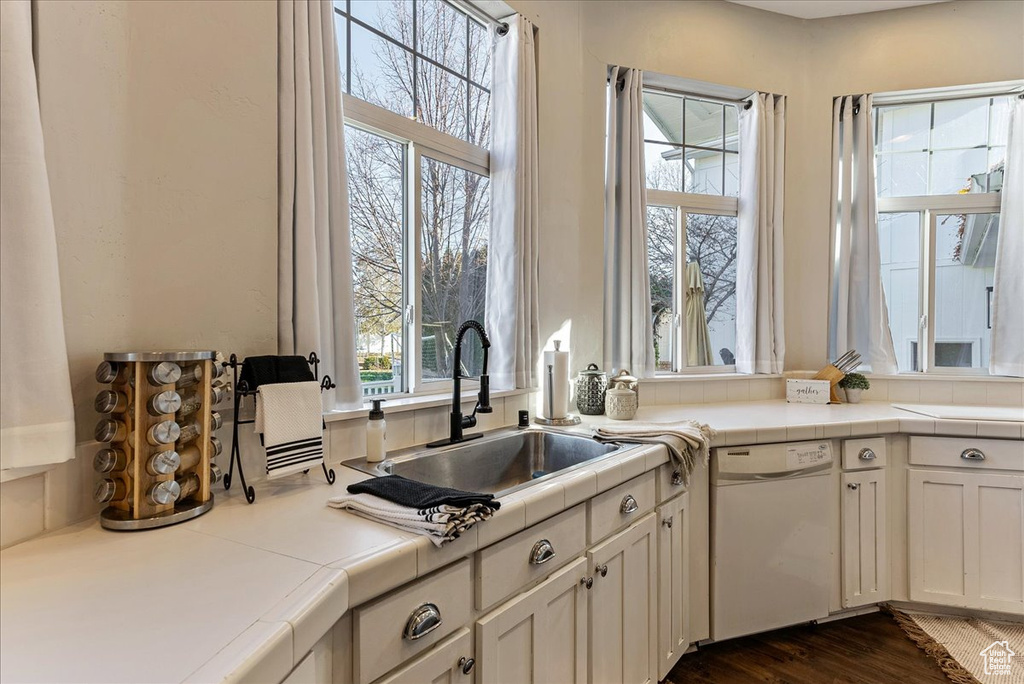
372	559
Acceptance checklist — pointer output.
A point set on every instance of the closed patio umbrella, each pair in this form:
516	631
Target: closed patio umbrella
698	338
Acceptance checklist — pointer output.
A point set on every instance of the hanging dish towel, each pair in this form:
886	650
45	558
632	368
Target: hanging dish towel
687	442
440	524
290	418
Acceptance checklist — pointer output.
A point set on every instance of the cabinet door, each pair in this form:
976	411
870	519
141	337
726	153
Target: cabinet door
623	606
539	636
673	582
865	541
966	539
443	664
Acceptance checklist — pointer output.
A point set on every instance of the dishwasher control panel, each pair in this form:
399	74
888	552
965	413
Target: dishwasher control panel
771	460
806	454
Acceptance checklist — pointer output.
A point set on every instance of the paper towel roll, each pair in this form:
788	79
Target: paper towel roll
555	398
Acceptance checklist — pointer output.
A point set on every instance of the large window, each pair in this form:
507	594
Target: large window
417	109
692	156
939	172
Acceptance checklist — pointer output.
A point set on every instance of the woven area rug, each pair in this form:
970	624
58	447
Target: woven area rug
969	650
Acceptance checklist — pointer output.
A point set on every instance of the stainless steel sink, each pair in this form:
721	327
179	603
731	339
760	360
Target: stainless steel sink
499	463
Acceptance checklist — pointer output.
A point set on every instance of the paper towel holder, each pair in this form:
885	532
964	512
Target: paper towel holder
569	418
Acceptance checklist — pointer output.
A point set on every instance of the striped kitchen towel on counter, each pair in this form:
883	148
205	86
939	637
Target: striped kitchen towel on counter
290	418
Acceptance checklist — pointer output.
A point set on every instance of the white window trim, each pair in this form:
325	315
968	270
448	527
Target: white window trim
421	141
688	203
928	207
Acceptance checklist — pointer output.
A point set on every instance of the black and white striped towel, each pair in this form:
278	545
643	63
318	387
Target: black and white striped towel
290	418
440	524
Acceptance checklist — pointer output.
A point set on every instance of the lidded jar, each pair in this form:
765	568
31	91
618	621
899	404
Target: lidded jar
621	403
623	380
591	385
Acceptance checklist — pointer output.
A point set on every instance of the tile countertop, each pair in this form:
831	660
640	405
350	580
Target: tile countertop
245	591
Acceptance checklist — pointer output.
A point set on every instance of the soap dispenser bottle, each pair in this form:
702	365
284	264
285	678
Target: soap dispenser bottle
376	433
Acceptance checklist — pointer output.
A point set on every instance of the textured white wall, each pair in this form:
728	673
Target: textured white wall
160	123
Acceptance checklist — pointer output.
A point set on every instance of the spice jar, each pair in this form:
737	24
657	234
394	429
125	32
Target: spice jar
591	385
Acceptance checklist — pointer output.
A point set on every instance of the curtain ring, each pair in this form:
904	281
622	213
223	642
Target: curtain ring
501	29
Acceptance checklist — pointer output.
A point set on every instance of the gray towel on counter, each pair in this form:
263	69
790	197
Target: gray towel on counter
440	524
687	441
405	492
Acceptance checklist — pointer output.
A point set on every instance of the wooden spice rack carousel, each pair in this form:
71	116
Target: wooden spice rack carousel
140	496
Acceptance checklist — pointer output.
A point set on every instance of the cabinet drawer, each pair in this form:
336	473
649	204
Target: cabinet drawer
379	642
670	481
608	511
967	452
505	567
860	454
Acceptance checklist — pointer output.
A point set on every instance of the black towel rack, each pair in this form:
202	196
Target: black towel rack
241	390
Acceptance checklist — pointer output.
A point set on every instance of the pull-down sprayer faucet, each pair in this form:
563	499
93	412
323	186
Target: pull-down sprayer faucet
458	422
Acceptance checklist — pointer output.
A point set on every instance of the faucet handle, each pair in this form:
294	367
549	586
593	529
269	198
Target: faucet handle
483	404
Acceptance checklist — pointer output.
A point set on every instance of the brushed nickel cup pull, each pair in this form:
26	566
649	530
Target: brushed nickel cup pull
866	454
677	478
853	485
628	505
603	569
542	552
972	454
422	622
466	664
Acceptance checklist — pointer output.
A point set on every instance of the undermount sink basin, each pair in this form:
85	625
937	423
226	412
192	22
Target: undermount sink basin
498	463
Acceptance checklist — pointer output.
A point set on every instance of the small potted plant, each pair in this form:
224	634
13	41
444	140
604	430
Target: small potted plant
853	384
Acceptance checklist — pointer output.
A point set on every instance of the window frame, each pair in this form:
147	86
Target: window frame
419	140
928	207
685	203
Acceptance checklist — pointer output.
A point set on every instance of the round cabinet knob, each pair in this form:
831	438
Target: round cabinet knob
866	454
853	485
972	454
629	505
466	664
667	522
677	478
542	552
603	569
422	622
587	582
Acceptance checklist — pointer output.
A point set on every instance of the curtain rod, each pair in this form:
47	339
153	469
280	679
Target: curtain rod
500	27
883	101
745	103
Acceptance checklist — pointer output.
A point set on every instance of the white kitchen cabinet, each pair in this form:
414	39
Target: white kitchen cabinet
673	582
450	662
865	542
539	636
966	539
623	606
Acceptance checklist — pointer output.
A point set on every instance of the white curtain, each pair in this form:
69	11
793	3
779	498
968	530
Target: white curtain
1007	357
315	307
513	265
858	316
760	341
37	422
628	323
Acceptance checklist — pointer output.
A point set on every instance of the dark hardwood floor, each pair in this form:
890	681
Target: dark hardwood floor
868	649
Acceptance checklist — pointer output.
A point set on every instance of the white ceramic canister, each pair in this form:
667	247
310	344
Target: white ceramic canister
620	404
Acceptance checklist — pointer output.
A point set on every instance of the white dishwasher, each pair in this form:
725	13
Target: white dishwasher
770	536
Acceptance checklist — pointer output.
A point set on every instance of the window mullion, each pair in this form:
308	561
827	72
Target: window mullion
414	327
680	293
